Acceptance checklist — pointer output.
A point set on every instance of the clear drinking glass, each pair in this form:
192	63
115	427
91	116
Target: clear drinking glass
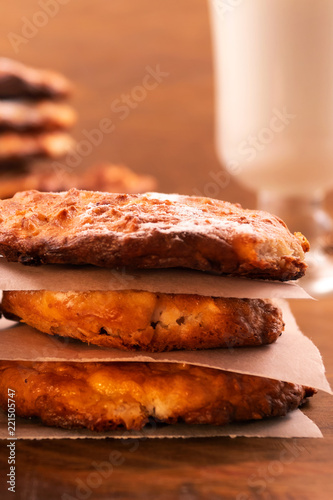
274	111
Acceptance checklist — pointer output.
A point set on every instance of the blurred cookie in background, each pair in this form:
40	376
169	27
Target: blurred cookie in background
21	81
115	179
103	177
24	146
23	116
34	124
34	130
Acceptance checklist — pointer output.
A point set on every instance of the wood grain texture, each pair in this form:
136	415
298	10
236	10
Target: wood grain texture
105	47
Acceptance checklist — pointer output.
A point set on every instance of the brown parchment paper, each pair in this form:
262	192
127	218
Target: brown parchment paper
293	425
15	276
280	360
292	358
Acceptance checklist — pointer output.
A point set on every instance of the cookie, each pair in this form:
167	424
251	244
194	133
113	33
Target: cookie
155	322
41	116
15	146
105	396
20	81
148	231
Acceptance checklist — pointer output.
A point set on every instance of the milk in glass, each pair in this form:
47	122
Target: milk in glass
274	92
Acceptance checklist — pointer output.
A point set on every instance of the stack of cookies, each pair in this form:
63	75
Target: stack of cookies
146	232
34	122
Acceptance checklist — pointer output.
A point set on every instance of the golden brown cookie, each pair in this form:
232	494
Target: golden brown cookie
137	320
32	116
152	230
19	80
114	179
16	146
104	396
105	177
40	177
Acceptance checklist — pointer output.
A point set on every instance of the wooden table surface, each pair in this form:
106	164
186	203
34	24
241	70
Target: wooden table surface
107	48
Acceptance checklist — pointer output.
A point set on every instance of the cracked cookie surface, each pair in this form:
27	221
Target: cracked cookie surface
156	322
148	231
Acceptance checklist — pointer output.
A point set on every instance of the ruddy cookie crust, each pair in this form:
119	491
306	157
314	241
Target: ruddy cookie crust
145	231
104	396
155	322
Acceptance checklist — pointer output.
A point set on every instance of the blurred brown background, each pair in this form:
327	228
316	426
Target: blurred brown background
105	49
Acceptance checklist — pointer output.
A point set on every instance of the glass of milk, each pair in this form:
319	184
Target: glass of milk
274	110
